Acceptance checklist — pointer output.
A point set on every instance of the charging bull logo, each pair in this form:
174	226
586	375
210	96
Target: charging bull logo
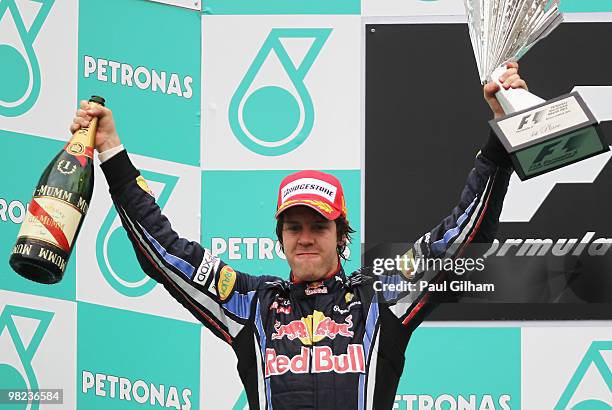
313	328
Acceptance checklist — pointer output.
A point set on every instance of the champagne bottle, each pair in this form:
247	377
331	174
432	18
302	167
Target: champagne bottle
56	212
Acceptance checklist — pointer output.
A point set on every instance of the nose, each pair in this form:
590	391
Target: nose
306	238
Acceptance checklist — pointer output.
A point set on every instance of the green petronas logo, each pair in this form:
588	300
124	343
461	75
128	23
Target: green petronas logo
19	71
273	119
18	347
593	358
114	250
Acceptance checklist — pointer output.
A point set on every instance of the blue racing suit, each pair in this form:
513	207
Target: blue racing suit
323	345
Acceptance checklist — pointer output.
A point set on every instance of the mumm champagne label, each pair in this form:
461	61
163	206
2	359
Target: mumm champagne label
52	219
53	216
39	250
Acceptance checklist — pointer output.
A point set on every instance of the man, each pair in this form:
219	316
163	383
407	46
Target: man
321	339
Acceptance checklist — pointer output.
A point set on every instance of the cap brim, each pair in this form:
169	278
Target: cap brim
334	214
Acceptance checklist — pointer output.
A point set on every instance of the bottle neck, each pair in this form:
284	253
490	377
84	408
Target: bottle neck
86	135
81	144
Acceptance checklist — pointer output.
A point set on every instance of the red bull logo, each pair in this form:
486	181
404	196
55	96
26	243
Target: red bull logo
323	361
313	328
296	329
329	328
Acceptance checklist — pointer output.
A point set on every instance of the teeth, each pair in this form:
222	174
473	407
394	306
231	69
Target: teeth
504	30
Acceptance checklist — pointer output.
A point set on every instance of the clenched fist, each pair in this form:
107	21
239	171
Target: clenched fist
509	79
106	135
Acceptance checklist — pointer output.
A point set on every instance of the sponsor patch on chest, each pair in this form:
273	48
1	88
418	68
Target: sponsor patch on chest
321	358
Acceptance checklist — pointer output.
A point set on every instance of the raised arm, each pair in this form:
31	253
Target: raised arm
212	291
475	219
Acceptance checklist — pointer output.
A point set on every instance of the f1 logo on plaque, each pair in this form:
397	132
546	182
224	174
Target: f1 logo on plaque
18	347
19	72
119	269
272	120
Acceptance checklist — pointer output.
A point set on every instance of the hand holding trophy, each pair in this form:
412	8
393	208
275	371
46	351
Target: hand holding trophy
539	135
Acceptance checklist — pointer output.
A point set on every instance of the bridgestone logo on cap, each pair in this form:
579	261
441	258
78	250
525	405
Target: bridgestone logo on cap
310	186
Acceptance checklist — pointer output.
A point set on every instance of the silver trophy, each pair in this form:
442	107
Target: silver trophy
539	135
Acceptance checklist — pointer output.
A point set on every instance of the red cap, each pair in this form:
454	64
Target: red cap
314	189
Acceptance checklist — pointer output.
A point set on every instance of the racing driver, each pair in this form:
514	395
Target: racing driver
320	339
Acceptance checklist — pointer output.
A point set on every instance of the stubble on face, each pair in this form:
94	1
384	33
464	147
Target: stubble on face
309	242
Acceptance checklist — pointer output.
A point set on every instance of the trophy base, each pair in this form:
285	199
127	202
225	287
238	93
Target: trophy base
550	135
558	152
